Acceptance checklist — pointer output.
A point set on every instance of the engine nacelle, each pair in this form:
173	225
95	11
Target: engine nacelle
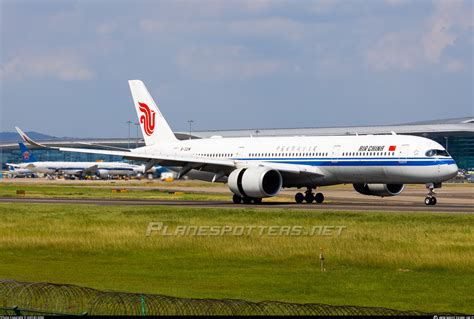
379	189
102	173
257	182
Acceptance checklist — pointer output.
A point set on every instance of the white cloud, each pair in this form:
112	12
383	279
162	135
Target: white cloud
106	28
62	66
395	50
411	49
272	27
225	61
455	65
324	6
396	2
269	27
440	34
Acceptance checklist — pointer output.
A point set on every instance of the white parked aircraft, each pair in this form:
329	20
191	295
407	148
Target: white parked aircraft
259	167
14	171
77	169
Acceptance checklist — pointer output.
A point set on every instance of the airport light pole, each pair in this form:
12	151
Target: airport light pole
136	141
129	123
446	138
190	127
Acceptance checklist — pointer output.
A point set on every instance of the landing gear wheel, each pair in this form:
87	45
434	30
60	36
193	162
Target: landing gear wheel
299	198
430	200
309	198
319	198
257	201
236	199
247	200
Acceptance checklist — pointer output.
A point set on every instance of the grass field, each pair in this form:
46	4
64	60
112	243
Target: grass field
403	260
89	191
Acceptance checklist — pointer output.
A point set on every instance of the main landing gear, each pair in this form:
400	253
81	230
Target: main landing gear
309	197
246	200
430	199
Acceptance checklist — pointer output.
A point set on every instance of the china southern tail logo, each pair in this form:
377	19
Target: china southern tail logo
26	155
147	118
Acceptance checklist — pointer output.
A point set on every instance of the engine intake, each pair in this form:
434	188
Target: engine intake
255	182
379	189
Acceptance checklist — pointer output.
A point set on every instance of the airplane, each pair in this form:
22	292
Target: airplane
15	171
78	169
259	167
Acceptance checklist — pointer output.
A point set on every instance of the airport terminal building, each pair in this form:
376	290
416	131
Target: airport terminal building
456	135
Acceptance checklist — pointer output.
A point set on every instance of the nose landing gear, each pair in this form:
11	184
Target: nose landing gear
430	199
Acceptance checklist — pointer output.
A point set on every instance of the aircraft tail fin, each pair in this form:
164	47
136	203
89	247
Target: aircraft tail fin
26	154
154	127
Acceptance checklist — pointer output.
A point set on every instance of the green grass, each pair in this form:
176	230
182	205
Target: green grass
76	191
158	192
416	261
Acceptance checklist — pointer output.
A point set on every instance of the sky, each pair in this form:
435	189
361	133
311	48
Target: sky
64	65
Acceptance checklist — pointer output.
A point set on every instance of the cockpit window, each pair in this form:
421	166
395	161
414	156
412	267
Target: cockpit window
431	153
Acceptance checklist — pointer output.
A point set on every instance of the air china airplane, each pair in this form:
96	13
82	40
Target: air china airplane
259	167
77	169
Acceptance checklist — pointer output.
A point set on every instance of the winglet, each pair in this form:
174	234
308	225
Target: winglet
27	139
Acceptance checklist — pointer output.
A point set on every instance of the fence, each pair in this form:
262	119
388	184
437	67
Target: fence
24	298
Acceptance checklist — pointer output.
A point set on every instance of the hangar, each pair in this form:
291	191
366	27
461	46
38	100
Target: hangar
457	135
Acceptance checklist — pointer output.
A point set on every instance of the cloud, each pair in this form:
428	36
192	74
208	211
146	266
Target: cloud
272	27
396	2
411	49
395	50
225	61
440	32
62	66
455	65
106	28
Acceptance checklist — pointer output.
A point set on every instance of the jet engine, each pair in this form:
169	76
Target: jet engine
256	182
379	189
102	173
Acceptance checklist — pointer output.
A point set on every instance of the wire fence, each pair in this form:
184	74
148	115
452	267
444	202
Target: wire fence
26	298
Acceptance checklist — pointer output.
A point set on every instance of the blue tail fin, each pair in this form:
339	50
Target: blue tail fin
28	157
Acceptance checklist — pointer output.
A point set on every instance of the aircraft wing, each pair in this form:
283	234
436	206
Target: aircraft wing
105	146
190	162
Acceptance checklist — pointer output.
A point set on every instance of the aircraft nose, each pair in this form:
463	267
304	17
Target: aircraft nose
452	170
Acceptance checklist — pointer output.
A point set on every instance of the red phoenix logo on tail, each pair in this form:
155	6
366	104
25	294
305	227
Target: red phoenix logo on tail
26	155
147	118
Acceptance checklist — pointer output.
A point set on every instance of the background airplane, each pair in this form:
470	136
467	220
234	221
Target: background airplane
259	167
78	169
14	171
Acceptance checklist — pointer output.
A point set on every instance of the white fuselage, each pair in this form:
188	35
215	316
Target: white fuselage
396	159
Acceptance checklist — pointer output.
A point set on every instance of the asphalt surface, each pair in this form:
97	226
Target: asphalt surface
348	205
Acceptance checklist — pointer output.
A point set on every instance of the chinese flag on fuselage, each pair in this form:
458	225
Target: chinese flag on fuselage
392	148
